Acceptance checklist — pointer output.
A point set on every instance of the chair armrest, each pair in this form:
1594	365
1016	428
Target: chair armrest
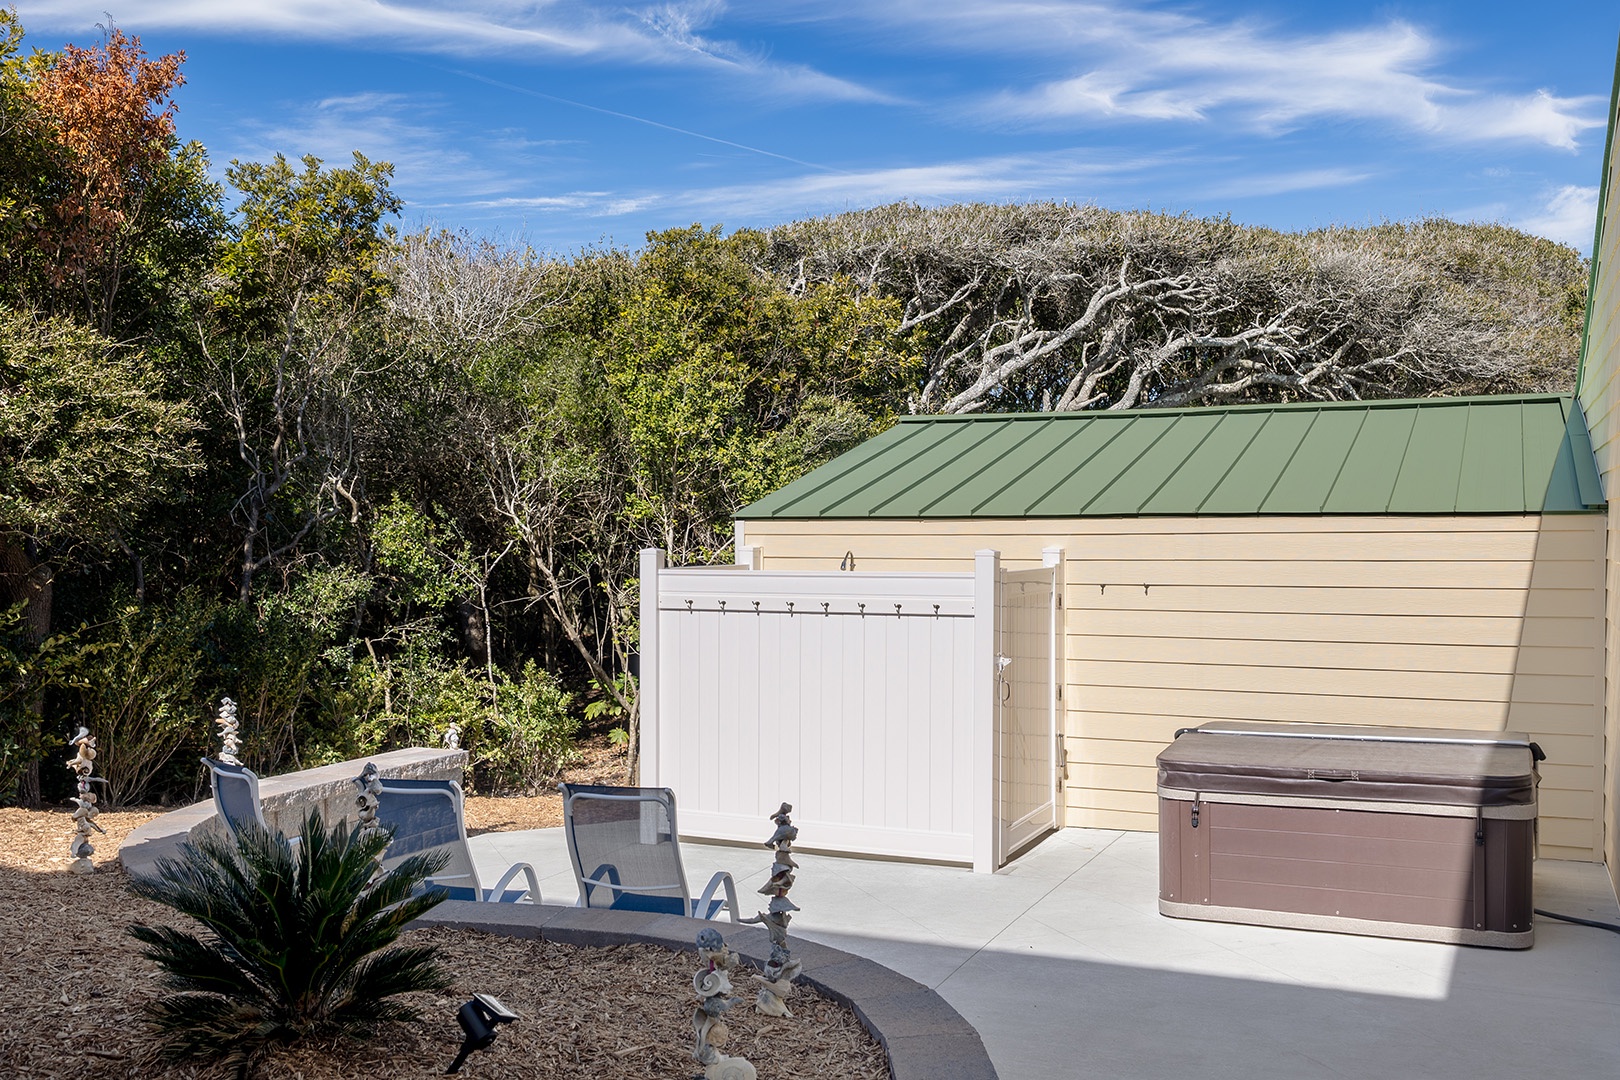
511	872
721	879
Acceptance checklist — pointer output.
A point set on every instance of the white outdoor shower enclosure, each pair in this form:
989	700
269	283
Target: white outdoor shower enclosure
903	714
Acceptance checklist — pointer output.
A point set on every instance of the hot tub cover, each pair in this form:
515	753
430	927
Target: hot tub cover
1406	765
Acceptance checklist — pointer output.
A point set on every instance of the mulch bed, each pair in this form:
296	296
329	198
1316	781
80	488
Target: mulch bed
73	983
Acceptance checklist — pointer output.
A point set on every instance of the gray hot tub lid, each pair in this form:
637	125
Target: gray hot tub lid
1418	765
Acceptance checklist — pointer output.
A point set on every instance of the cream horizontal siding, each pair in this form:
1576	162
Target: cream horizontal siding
1600	401
1490	622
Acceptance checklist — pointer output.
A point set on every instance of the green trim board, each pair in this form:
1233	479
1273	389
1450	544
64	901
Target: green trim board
1604	178
1478	455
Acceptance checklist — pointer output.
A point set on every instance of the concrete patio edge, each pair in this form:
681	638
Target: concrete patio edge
922	1035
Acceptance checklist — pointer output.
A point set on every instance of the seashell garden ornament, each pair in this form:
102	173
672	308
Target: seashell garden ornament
84	804
229	732
369	784
712	983
782	968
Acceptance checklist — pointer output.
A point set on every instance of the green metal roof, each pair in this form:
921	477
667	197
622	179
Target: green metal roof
1483	455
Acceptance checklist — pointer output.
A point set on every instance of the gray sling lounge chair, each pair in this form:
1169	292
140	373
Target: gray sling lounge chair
626	853
427	815
236	795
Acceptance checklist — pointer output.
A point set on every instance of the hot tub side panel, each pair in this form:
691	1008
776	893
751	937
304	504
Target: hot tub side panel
1390	874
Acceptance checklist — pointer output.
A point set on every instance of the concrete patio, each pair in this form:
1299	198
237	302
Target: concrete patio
1066	968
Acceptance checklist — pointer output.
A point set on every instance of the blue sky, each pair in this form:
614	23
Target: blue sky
567	124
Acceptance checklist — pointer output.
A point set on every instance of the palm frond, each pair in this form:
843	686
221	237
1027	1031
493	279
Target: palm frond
297	938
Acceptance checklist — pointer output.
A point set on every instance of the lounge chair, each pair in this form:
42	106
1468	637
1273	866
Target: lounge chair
236	795
427	815
627	837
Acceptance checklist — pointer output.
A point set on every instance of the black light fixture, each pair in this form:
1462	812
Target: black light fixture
479	1019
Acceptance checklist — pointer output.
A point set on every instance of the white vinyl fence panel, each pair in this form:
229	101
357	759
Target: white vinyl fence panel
867	700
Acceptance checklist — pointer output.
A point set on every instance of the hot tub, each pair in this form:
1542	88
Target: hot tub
1395	832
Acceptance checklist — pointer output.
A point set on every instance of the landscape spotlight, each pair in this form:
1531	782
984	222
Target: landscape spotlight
479	1019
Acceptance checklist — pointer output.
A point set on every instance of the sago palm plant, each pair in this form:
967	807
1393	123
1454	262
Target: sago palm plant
297	944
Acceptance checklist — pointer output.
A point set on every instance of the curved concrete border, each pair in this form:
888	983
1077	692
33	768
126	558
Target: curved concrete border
924	1037
285	800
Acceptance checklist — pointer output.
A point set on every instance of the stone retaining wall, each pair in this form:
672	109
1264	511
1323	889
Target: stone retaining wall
286	799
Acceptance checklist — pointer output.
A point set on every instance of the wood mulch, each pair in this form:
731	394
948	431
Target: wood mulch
73	984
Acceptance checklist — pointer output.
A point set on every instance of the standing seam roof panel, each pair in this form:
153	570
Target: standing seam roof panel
897	475
1508	454
840	468
1081	488
1371	468
1074	454
1044	441
1255	473
1304	485
1138	483
1216	453
1491	474
979	454
1433	461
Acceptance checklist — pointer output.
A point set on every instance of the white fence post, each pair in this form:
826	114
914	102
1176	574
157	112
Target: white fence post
652	561
1055	557
986	760
748	556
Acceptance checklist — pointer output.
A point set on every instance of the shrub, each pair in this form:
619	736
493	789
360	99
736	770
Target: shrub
532	732
298	944
411	699
140	693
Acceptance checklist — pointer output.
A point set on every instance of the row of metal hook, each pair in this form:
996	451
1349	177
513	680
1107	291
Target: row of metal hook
826	606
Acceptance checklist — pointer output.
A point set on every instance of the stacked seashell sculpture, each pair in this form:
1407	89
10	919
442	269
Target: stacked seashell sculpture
782	968
452	736
84	804
370	785
229	733
711	983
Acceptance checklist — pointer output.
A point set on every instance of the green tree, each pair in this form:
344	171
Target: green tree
299	282
104	215
671	389
85	445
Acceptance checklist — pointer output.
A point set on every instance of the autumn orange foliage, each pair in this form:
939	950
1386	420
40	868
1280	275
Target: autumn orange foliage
110	111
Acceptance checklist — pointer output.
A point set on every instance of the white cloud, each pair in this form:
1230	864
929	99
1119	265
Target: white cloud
1263	184
1133	63
1569	216
396	128
665	36
1069	174
1239	74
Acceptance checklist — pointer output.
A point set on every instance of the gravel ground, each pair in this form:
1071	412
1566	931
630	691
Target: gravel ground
73	983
